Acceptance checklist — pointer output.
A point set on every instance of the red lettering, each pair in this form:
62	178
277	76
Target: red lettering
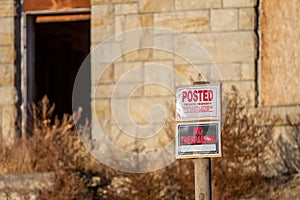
184	95
195	96
205	95
211	95
200	94
190	96
189	139
197	139
198	130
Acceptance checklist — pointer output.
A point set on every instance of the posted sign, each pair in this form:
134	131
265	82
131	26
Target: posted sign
198	110
198	102
198	140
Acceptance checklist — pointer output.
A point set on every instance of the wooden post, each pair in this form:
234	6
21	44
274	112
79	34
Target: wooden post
202	178
202	173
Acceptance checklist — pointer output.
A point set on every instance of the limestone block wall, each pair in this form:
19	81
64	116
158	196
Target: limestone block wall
279	62
280	65
225	29
8	92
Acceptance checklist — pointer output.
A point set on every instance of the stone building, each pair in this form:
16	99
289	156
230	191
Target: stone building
253	44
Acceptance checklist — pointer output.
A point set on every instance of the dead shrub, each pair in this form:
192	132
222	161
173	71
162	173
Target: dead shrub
51	146
237	174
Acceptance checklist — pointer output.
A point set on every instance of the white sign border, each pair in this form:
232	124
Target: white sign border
219	107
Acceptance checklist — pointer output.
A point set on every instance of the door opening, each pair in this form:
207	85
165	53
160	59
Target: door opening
59	50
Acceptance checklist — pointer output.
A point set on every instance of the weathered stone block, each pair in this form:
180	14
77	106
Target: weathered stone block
118	90
228	72
101	15
162	76
102	91
7	9
166	63
102	22
137	44
8	95
280	52
126	8
8	123
7	54
190	50
25	186
180	61
162	55
157	90
156	5
105	53
101	116
102	108
129	71
120	24
108	75
224	19
7	31
147	110
7	74
197	4
6	38
95	71
190	21
248	71
139	55
188	74
247	19
120	111
239	3
139	21
228	47
165	45
101	33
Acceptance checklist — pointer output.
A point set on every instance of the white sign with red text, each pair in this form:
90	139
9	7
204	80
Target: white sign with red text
200	102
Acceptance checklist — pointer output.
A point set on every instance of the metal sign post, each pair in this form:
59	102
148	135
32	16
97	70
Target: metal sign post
198	133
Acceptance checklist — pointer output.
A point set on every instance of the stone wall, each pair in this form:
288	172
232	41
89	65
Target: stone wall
279	65
8	92
224	28
25	186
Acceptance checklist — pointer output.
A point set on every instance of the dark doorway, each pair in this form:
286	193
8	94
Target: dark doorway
60	48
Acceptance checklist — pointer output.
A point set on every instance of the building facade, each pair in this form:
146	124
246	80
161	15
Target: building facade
252	44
